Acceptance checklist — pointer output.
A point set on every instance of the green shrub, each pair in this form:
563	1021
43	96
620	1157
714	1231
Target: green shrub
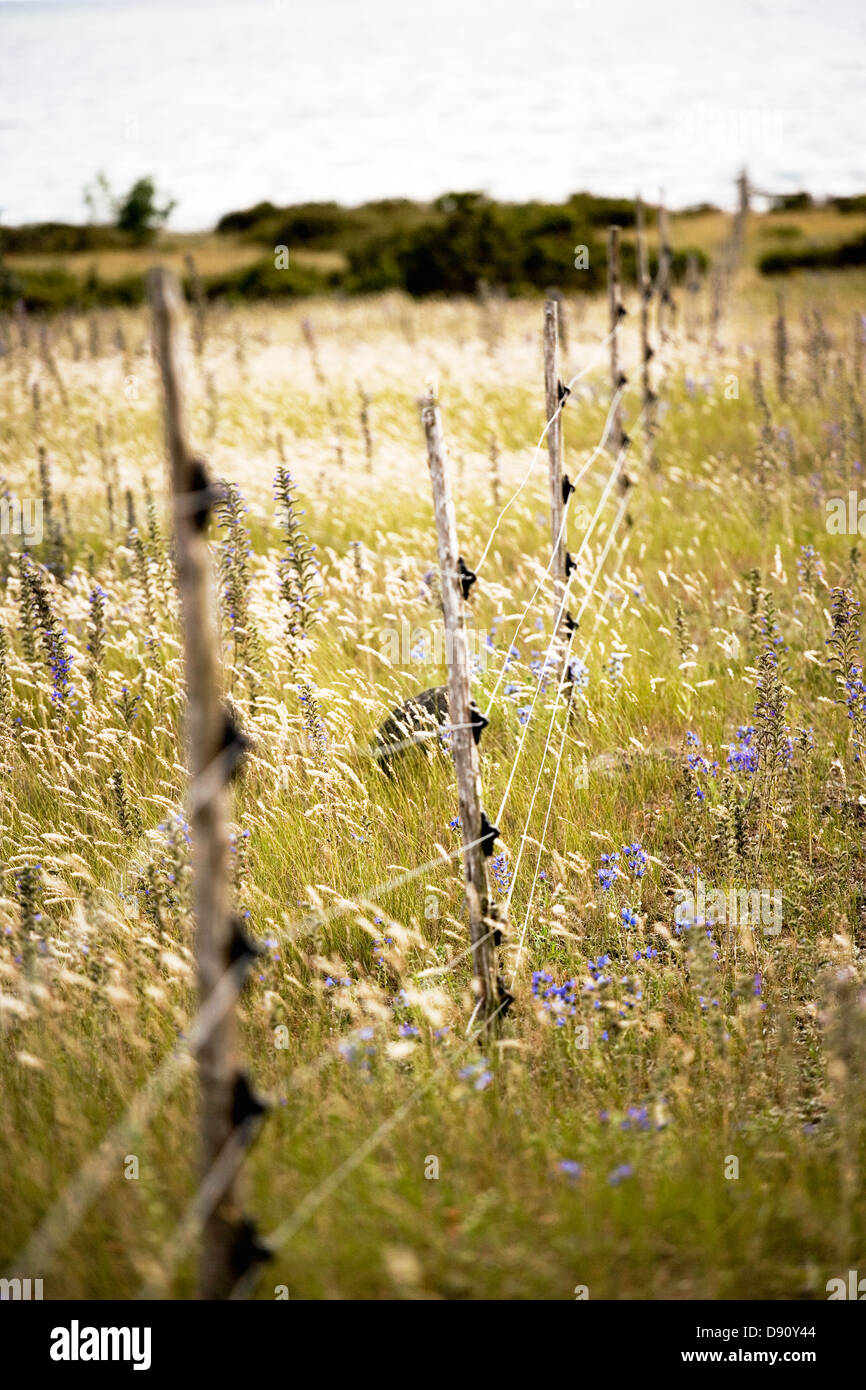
522	248
319	226
853	204
792	202
263	281
234	223
839	257
58	239
124	293
606	212
468	239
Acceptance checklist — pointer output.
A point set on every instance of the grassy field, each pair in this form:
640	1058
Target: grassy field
708	1140
213	255
217	253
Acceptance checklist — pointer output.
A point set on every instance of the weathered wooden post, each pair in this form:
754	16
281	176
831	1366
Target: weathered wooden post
553	416
644	285
229	1246
617	311
365	427
666	308
561	320
466	723
742	214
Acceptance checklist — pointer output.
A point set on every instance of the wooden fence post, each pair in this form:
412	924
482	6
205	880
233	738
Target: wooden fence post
615	305
741	216
561	320
365	427
553	414
666	300
466	723
646	351
229	1247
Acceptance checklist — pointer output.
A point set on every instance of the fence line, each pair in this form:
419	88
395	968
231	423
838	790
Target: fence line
195	1212
82	1190
605	495
231	1157
588	463
645	291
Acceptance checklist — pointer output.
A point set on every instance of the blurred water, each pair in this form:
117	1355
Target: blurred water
231	101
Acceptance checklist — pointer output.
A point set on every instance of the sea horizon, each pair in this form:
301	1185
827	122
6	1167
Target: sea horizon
227	104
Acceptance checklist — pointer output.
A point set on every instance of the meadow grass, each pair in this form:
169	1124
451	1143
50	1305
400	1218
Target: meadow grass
214	255
559	1165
